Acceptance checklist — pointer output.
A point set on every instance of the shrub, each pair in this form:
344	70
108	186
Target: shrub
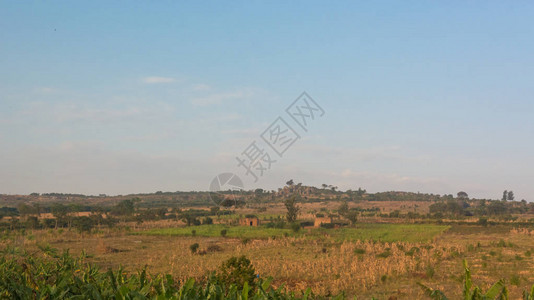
515	280
193	232
194	248
224	232
430	271
277	224
384	254
295	227
238	271
359	251
470	291
412	251
482	221
83	224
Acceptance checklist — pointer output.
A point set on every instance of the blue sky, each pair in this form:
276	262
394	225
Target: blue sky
126	97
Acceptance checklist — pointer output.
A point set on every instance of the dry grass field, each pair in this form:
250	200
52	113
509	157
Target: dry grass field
367	267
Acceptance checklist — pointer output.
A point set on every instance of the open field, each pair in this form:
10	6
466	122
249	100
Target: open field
376	232
369	267
384	252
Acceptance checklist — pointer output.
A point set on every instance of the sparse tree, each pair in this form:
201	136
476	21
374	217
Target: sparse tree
24	209
60	213
352	216
504	195
343	209
511	196
292	209
290	182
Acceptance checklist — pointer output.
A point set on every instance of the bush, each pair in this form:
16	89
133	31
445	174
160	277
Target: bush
238	271
193	232
384	254
224	232
430	271
515	280
278	224
83	224
295	227
359	251
483	221
194	248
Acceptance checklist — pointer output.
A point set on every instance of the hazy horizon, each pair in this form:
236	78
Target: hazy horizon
124	98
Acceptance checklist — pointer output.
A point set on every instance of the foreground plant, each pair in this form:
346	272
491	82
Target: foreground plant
24	276
470	292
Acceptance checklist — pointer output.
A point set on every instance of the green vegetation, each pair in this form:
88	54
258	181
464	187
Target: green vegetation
472	292
377	232
63	277
216	230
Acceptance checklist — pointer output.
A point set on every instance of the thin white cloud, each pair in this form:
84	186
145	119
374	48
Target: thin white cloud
219	98
157	79
201	87
46	90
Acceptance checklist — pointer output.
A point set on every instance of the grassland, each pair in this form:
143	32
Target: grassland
365	267
373	258
377	232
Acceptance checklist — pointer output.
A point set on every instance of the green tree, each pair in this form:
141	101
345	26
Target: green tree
292	209
32	222
25	209
343	209
511	196
60	213
352	216
462	195
190	219
83	224
504	195
238	271
124	208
